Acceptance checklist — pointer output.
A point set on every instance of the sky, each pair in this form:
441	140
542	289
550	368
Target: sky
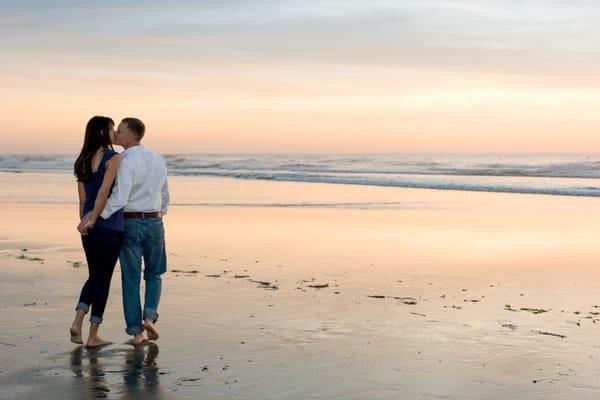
347	76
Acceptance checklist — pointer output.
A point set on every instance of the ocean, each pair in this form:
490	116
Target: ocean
550	174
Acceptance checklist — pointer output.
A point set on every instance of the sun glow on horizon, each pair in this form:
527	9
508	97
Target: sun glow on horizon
446	76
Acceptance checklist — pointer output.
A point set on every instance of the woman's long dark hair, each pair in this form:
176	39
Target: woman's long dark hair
97	135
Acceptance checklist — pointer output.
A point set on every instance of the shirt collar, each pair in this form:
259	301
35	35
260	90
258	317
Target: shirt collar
132	149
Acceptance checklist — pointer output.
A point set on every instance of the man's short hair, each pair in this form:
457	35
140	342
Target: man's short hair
136	126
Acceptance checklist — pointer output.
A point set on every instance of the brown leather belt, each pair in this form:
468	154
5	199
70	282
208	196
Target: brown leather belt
136	214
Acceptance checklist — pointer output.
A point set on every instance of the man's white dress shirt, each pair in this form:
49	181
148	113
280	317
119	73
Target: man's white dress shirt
141	183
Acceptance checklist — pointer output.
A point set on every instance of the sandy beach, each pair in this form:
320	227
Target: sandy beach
367	200
287	290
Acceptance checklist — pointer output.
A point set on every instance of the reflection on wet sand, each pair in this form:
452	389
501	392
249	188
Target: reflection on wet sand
484	296
119	373
143	374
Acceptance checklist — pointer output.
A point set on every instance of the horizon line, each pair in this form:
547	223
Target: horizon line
326	153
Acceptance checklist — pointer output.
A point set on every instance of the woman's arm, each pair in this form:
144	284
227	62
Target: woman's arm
81	191
112	166
89	219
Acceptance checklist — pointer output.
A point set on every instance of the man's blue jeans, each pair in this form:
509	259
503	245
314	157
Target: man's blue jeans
143	238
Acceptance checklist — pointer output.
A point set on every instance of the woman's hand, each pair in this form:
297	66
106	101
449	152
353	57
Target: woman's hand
87	222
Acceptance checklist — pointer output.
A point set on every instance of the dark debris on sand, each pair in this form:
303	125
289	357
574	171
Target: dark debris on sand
405	300
75	264
264	284
188	381
318	285
27	258
548	333
508	307
534	310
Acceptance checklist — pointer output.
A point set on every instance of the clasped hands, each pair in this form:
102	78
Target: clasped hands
87	222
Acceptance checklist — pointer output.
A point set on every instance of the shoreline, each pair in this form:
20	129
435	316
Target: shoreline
549	174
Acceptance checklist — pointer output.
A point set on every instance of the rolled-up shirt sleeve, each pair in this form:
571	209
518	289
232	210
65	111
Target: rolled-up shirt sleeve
120	193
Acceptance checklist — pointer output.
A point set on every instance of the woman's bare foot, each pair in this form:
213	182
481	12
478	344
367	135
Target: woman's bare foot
75	332
96	342
151	329
138	339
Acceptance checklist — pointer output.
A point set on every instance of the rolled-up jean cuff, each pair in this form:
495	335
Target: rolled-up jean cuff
150	313
95	320
134	330
83	307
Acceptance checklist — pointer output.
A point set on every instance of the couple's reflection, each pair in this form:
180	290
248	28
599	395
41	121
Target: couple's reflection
120	372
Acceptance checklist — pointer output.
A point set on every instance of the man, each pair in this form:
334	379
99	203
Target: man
141	188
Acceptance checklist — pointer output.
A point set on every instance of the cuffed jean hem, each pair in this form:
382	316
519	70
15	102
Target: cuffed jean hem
150	313
83	307
134	330
96	320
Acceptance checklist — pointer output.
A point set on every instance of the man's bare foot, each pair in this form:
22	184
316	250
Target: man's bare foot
138	339
96	342
75	332
151	329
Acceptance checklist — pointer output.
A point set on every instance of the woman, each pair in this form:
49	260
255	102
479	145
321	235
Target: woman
96	169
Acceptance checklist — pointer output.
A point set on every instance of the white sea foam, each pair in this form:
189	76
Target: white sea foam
577	175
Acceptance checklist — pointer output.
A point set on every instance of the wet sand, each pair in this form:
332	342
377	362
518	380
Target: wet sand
296	291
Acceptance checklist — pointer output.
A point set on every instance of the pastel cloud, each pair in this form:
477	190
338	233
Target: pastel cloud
314	76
